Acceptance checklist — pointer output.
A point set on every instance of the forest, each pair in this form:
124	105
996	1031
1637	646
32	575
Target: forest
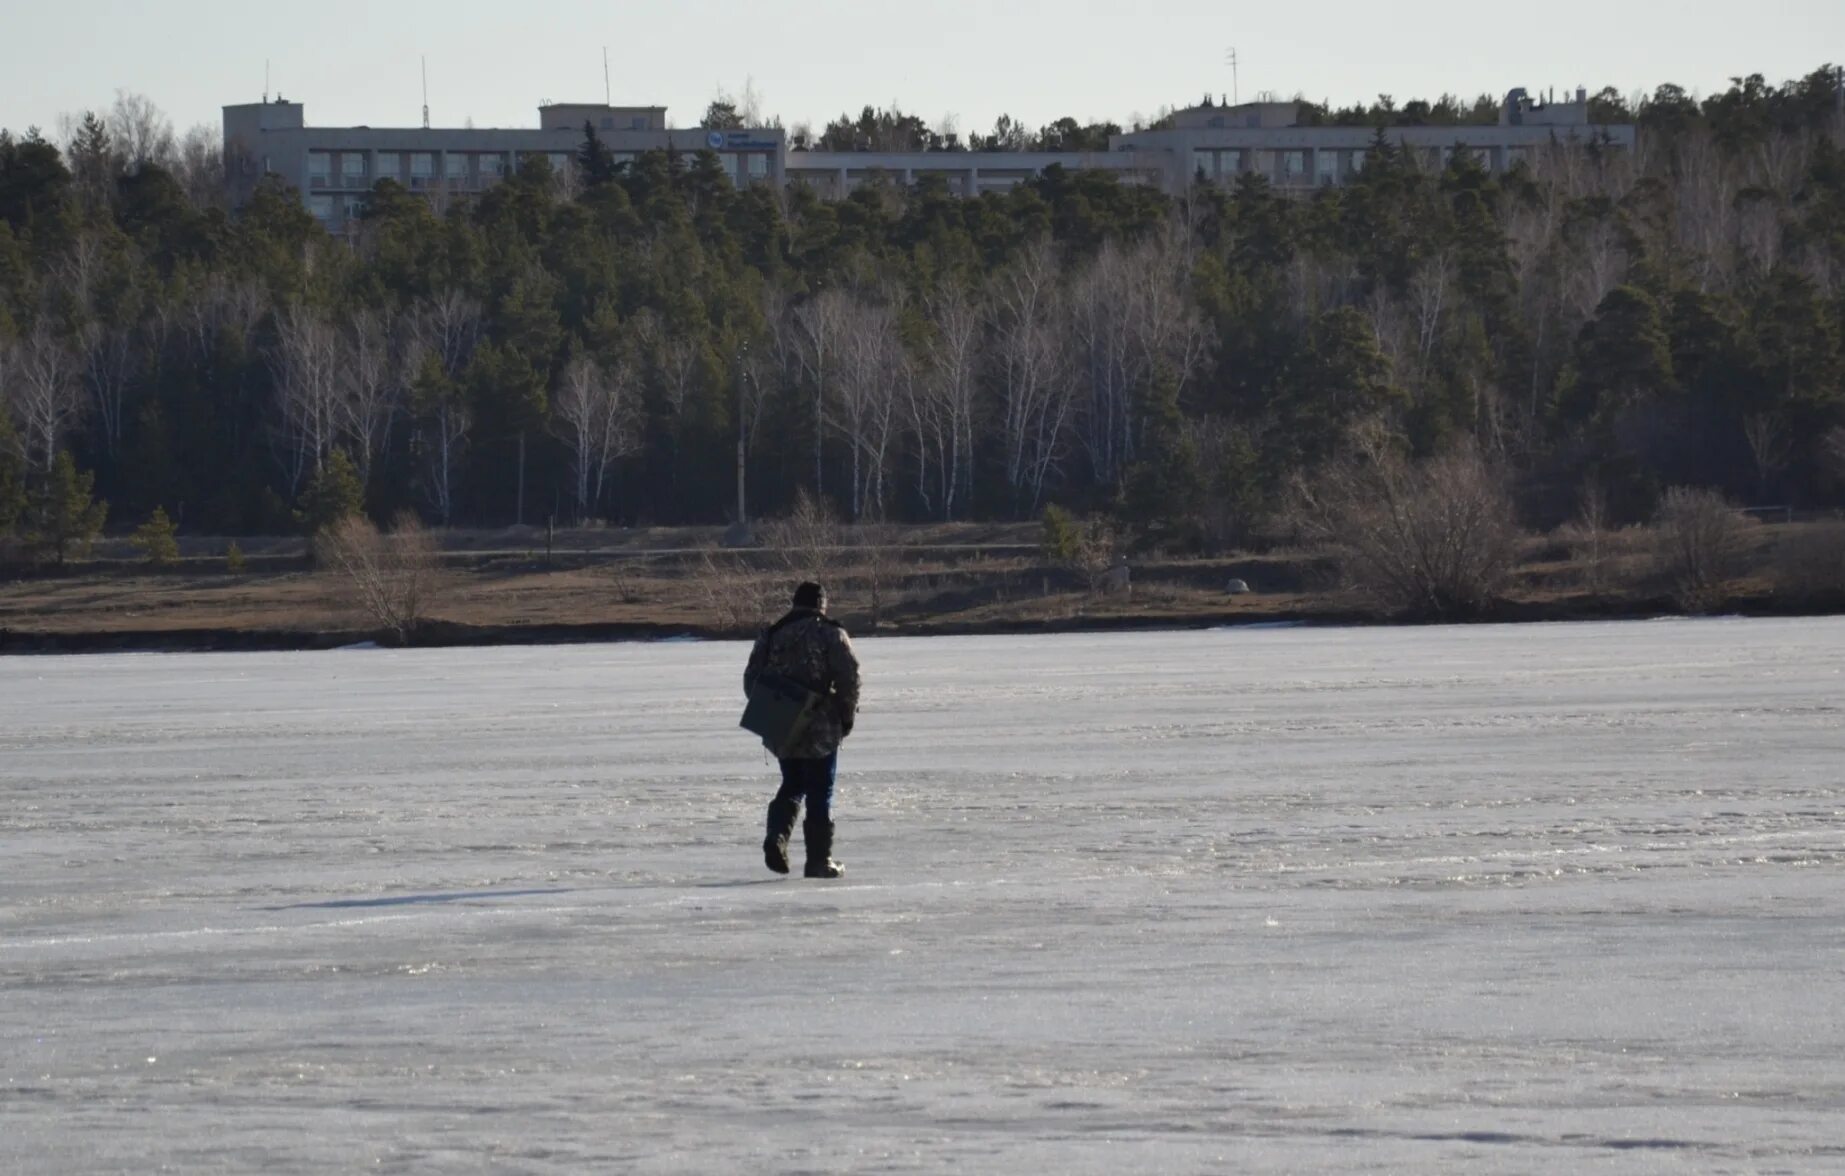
593	348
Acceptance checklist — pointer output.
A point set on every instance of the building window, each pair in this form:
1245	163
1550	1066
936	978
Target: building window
390	166
758	164
422	168
354	208
492	167
1515	156
608	123
1204	163
1326	167
455	167
352	168
1294	164
560	162
321	207
1358	161
320	169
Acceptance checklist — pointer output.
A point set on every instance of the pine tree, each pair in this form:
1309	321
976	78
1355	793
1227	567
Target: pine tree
334	494
156	539
62	513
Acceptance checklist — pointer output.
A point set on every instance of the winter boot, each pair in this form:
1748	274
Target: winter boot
781	826
820	863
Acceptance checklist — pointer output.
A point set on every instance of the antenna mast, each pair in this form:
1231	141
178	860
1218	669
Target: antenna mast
425	92
265	79
608	95
1236	95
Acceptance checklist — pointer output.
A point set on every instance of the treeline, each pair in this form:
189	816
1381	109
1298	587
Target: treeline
1671	316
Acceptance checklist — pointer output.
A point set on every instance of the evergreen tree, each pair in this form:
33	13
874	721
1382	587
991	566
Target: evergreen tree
61	512
335	493
157	539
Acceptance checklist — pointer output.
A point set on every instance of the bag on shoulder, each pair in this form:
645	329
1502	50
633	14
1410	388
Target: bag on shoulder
779	711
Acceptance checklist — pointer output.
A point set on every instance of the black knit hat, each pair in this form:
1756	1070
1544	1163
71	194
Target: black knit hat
810	595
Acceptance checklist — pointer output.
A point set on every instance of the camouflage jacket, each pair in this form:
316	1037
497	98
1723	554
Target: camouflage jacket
813	650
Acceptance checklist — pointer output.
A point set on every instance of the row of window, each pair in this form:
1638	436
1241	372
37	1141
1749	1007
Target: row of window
418	169
361	169
1290	167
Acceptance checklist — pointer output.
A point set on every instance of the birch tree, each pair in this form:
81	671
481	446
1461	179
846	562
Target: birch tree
306	363
595	409
370	386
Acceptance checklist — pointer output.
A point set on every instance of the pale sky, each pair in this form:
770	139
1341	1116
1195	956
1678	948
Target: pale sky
493	61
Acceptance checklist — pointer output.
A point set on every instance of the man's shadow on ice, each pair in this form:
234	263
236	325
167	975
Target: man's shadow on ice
342	904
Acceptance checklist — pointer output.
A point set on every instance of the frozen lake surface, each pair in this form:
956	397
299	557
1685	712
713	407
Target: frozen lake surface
1515	899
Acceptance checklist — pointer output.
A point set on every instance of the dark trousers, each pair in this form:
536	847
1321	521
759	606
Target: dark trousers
810	780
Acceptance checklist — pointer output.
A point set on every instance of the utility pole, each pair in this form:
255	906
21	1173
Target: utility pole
740	530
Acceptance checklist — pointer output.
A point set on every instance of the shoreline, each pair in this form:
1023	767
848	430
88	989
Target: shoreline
452	635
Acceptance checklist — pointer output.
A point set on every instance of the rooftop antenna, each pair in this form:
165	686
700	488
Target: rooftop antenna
608	95
265	79
425	91
1236	93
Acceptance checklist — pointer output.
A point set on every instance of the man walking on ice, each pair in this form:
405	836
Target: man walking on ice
811	650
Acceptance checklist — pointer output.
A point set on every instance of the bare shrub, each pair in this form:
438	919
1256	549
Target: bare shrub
879	566
738	597
807	541
1101	556
1832	449
1701	545
1588	535
390	577
1809	562
1437	539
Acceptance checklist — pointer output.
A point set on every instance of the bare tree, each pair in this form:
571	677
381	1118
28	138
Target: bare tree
306	368
370	385
1832	446
1130	319
199	166
595	407
678	365
807	541
1035	401
1770	445
871	368
141	133
1701	544
389	577
47	393
820	332
941	399
444	329
108	354
1102	323
1437	539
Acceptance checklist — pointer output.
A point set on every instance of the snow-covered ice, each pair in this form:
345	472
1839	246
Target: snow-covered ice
1494	899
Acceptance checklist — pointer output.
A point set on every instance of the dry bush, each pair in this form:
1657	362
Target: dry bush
738	597
1588	535
1438	539
390	577
1832	446
1701	545
879	567
1809	562
807	542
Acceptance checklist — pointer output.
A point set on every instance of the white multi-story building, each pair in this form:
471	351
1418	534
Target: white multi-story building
334	167
1222	143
